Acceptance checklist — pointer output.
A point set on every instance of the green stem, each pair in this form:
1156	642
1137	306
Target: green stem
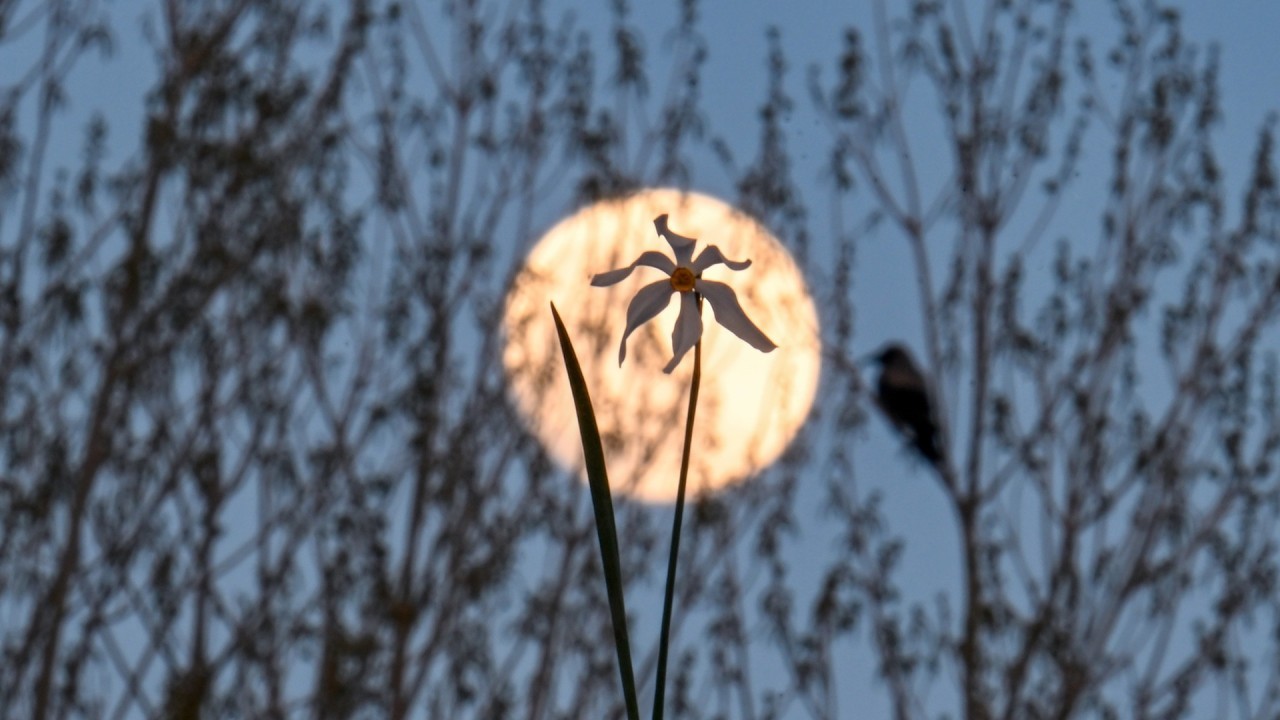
659	693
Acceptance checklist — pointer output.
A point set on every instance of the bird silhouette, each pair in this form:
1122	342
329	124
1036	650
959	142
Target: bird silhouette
903	395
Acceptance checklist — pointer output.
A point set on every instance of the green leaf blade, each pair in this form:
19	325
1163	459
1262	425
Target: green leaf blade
602	504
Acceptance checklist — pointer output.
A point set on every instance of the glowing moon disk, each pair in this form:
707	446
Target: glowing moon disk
751	404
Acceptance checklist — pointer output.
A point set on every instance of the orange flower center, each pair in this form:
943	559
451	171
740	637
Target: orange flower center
682	279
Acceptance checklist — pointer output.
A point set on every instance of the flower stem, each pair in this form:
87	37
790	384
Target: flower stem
659	693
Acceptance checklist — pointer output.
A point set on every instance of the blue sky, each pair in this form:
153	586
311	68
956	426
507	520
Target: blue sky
810	32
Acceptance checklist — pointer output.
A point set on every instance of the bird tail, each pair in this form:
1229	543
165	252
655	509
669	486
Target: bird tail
927	445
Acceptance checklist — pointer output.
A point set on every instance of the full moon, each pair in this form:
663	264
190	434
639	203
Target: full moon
750	405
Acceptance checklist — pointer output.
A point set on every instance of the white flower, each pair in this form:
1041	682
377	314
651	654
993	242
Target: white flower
685	278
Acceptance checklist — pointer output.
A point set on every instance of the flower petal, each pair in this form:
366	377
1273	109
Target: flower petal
683	246
711	255
649	257
687	332
645	306
724	302
613	277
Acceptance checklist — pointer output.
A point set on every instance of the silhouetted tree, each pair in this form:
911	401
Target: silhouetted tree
257	457
1109	425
